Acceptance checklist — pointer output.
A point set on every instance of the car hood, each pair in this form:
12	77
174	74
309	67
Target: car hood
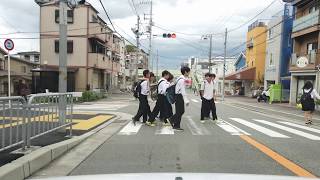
177	176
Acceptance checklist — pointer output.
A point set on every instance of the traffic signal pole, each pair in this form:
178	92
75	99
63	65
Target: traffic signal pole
150	38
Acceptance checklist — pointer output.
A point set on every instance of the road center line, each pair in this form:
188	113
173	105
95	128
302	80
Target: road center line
296	169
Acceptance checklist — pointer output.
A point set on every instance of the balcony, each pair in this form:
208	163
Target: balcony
312	59
306	21
97	31
98	60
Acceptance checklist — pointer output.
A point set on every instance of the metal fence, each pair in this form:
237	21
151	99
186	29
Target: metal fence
21	120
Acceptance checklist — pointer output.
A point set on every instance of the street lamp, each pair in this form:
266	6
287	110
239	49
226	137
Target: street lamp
205	37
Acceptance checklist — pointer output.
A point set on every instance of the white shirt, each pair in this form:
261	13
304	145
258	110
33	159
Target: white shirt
207	89
181	88
145	88
314	94
162	87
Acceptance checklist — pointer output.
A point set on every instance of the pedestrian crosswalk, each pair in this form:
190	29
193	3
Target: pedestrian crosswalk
232	126
105	106
199	101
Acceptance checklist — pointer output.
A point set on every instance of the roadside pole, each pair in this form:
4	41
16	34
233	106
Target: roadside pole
157	65
9	45
62	58
224	62
138	46
210	53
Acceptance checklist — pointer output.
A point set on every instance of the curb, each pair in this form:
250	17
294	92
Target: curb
25	166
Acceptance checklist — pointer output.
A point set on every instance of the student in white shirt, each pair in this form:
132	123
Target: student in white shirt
207	97
308	101
182	99
144	108
160	106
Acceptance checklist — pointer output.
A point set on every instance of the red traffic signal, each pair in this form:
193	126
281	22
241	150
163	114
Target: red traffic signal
169	35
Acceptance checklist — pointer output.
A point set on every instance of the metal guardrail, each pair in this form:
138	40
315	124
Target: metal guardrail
21	120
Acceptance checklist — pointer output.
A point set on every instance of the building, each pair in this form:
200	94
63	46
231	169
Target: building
279	49
305	60
131	63
32	56
20	71
249	76
94	51
217	69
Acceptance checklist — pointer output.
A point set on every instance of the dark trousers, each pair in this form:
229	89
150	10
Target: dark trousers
168	106
207	107
159	107
144	108
176	118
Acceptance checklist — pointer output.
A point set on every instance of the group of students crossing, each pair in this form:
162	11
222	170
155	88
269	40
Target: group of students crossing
169	92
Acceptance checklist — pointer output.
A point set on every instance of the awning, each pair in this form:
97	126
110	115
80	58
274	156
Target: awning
244	74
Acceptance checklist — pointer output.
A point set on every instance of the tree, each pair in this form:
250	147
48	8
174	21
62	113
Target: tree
130	48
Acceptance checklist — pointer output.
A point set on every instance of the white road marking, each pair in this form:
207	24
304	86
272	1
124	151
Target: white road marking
195	129
259	128
130	129
291	130
300	126
194	100
165	130
233	130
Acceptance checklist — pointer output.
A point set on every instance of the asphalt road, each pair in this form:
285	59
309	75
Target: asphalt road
243	141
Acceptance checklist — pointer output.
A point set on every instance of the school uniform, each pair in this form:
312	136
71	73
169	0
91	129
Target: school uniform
181	98
160	106
144	107
207	98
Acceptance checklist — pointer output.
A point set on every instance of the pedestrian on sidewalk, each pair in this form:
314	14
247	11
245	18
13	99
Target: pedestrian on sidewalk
207	97
181	99
308	101
144	108
160	106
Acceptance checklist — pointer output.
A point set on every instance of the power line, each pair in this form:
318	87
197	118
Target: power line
107	15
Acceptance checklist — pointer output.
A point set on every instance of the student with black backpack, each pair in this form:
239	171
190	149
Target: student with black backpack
308	101
180	99
162	86
141	92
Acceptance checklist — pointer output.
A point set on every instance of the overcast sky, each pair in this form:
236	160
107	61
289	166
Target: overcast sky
192	17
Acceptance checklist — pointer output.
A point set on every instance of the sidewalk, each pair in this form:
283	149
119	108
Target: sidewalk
280	108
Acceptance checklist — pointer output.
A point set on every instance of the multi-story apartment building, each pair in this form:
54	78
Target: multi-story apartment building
251	76
94	51
279	49
305	60
32	56
131	64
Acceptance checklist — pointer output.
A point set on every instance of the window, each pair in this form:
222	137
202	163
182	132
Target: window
27	57
270	32
23	69
1	65
94	19
311	47
69	46
36	58
312	9
70	14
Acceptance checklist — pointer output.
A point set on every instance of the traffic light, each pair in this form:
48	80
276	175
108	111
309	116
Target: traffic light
169	35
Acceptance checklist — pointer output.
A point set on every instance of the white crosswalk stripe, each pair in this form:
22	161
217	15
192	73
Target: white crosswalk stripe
230	128
130	129
259	128
300	126
164	130
194	100
196	129
291	130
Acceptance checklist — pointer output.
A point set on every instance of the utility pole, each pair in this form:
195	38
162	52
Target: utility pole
210	53
150	37
224	62
137	32
63	46
157	64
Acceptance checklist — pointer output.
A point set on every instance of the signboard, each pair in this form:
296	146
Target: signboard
302	62
8	44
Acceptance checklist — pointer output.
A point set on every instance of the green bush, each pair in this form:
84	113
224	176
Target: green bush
88	96
318	102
